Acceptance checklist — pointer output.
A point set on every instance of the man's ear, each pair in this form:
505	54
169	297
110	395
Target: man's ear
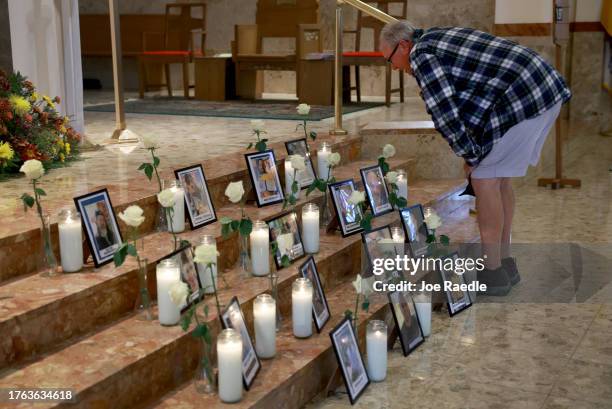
405	45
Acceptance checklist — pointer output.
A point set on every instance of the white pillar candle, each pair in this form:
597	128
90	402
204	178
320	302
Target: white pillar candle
423	310
264	313
376	346
178	215
168	273
229	357
260	249
289	179
301	306
402	184
323	160
204	272
397	234
71	241
310	228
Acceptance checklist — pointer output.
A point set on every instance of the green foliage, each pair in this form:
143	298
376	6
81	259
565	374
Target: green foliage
148	169
243	226
365	305
120	255
348	314
285	261
261	146
28	201
444	239
383	165
313	135
40	192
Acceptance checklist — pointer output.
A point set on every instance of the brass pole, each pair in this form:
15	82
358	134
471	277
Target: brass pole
338	130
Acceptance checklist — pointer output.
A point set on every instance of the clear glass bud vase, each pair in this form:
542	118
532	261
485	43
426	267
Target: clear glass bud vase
326	216
244	261
205	380
48	262
143	302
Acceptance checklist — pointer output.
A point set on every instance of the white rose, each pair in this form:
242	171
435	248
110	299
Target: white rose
33	169
150	142
206	254
388	151
132	216
234	191
356	197
333	159
357	284
178	293
297	162
391	177
166	198
432	220
303	109
363	285
258	125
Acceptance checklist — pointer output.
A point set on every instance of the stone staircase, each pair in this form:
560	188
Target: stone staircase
79	331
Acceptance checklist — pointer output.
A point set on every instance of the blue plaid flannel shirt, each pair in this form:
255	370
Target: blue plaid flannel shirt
477	86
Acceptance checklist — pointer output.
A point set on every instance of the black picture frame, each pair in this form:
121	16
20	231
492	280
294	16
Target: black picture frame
346	228
454	303
89	218
409	330
196	220
415	230
370	238
300	147
297	250
251	365
256	180
384	207
345	344
320	308
189	274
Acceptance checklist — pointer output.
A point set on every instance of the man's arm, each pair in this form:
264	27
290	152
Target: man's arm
439	96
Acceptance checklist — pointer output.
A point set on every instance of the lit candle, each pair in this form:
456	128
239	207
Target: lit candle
178	216
289	179
323	160
301	306
397	234
376	346
229	357
264	313
203	271
310	228
423	310
260	249
168	273
71	241
402	184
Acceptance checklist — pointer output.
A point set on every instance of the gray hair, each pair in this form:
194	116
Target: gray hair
395	32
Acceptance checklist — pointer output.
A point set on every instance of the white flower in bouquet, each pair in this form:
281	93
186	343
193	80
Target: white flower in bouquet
334	159
432	220
363	286
391	177
356	197
132	216
178	293
303	109
388	151
258	125
297	162
234	191
166	198
33	169
150	142
206	254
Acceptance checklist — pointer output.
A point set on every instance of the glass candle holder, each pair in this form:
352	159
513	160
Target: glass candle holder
176	217
208	275
422	302
71	240
402	184
323	160
397	234
376	346
168	273
310	228
229	359
260	248
264	313
301	307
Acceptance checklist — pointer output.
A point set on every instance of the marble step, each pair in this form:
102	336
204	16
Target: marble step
38	313
132	361
20	237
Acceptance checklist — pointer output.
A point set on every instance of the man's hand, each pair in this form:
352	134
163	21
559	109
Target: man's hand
467	169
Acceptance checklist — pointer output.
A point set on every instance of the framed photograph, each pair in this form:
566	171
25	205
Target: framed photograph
320	308
189	274
349	359
300	147
457	301
372	248
415	230
101	228
348	214
285	232
376	190
200	208
264	176
406	321
232	317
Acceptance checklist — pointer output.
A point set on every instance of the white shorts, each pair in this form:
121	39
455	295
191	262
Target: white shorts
518	148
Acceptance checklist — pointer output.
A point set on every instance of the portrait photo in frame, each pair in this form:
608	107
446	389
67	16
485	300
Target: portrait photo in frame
101	227
320	308
374	249
349	359
406	320
415	230
284	230
264	177
200	209
189	274
348	215
300	147
457	301
232	317
376	190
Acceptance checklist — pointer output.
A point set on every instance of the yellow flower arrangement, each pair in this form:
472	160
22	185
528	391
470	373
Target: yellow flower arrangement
19	104
33	97
6	152
63	129
66	120
62	157
67	148
49	101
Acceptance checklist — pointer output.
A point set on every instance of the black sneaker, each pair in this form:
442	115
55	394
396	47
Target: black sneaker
509	265
497	281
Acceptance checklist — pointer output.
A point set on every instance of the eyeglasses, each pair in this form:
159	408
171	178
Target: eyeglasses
392	53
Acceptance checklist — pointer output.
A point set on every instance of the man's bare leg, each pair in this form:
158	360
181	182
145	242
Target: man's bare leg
507	195
490	208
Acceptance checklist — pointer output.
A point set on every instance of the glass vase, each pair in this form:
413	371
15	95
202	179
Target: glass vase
274	292
161	224
143	302
244	261
325	213
205	382
48	262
